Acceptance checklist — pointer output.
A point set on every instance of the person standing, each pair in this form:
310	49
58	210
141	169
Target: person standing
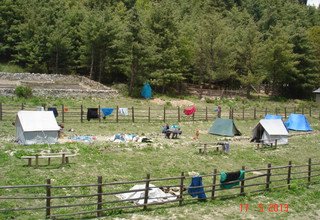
219	111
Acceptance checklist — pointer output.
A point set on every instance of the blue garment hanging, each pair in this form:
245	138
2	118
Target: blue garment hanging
146	91
106	111
199	191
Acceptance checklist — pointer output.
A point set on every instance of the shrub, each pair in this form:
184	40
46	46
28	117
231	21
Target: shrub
23	91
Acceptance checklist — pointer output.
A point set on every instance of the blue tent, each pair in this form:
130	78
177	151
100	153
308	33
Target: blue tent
146	91
298	122
268	116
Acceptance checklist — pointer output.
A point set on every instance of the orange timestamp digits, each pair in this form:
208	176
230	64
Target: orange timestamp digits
272	207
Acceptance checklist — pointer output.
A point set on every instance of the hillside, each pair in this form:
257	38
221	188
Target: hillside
54	85
231	44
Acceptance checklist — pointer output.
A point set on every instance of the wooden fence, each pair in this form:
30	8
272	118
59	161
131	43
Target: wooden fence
160	114
99	199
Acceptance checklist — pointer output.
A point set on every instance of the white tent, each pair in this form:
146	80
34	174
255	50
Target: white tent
268	131
36	127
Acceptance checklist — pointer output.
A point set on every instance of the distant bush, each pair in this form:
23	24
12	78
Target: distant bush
23	91
209	100
122	88
11	68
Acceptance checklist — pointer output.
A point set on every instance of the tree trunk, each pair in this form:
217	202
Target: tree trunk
91	65
57	62
100	67
248	91
132	78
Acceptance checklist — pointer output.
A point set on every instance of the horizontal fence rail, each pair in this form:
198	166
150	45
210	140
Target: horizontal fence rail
102	198
156	114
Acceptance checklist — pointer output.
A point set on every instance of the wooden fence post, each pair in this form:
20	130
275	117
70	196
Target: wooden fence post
310	113
117	114
254	113
265	111
0	111
99	113
37	160
62	113
22	106
146	192
230	113
309	171
63	158
99	204
149	114
48	198
181	188
164	113
285	112
289	174
81	114
242	184
206	113
132	114
243	113
268	177
214	181
179	116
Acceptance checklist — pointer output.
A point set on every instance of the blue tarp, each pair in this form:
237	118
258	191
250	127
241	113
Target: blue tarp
107	111
268	116
146	91
297	122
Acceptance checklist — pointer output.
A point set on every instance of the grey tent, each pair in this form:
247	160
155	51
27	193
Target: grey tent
36	127
268	131
224	127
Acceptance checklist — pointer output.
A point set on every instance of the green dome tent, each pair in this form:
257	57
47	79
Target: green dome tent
224	127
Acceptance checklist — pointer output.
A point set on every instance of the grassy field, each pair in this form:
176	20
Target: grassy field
163	158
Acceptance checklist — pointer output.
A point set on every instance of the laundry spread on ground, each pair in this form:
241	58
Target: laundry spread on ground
87	139
154	195
129	138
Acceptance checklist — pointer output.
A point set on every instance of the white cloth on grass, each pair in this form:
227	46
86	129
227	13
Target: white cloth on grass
154	195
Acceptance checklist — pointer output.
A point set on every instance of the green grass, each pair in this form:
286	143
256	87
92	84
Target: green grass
11	68
163	158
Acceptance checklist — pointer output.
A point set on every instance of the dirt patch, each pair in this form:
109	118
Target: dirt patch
181	103
158	101
174	103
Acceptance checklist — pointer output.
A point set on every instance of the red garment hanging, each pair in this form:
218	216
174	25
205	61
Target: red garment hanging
190	110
